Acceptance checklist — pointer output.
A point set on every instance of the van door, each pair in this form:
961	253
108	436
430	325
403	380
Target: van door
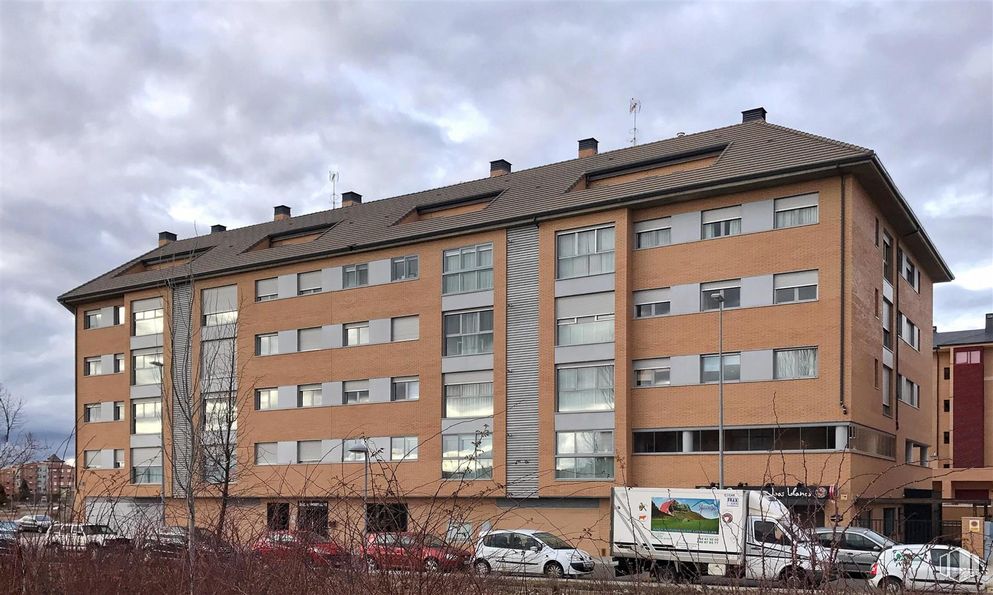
534	555
768	550
495	551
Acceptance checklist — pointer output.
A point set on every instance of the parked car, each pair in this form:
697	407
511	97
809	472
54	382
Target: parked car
75	536
526	551
931	568
172	542
855	549
38	523
9	544
300	545
412	551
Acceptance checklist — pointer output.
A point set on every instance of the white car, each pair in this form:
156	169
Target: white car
941	568
527	551
71	536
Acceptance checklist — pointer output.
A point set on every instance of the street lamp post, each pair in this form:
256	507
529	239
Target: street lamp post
719	297
363	449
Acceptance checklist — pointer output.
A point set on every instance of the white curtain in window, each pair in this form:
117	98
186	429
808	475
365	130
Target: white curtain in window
796	363
793	217
469	400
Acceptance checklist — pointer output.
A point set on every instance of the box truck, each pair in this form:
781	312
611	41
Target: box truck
682	534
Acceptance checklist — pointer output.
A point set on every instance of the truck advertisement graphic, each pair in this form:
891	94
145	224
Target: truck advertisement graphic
686	515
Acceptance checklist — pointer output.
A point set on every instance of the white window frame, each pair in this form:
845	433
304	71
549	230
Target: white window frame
406	382
266	450
461	335
796	203
722	220
665	239
782	282
587	366
146	409
776	373
91	459
599	251
359	391
725	364
155	315
312	392
92	319
706	289
305	285
575	454
469	467
446	414
404	262
269	340
589	320
88	412
654	372
403	448
909	392
93	366
266	399
478	271
355	275
266	297
357	338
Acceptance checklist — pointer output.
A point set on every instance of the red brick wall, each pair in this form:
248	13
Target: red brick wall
967	420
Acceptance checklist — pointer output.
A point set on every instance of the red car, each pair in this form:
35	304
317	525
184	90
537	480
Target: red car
301	545
412	551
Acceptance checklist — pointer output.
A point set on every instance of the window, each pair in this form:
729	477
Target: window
92	412
146	465
947	373
217	359
356	333
909	332
220	416
403	268
92	366
118	410
267	344
148	322
119	315
971	356
469	333
220	463
467	269
118	458
796	210
657	375
119	365
718	223
355	275
887	324
795	363
737	439
910	391
585	252
146	416
309	339
947	406
265	453
795	287
710	371
406	389
730	290
650	238
471	399
266	289
887	389
589	388
146	366
583	330
403	448
887	257
266	398
584	455
308	283
309	451
466	456
405	328
657	442
651	309
309	395
911	273
91	319
946	437
219	305
356	391
349	456
91	459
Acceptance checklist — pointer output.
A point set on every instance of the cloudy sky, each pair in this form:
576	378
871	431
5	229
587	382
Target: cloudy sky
120	120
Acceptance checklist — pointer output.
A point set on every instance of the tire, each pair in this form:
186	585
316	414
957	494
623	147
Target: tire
796	578
371	564
553	570
665	573
481	567
432	565
891	584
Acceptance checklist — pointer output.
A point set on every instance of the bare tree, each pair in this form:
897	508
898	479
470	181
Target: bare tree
11	412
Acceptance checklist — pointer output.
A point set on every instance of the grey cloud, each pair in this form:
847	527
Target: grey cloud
118	116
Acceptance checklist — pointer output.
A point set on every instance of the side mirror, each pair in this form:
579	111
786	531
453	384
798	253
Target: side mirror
877	548
534	548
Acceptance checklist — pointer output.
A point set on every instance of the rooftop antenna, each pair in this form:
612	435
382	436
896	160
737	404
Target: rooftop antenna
633	108
333	178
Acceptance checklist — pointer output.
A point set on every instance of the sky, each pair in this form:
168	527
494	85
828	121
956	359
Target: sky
119	120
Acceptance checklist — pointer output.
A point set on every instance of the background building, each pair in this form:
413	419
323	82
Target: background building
963	364
46	479
517	345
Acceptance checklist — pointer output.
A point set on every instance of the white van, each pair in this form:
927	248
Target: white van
527	551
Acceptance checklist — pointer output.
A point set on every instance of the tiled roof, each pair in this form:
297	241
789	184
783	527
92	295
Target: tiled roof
750	150
969	337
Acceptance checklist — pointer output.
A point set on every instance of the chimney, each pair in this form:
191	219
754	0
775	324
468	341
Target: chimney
499	167
217	228
350	199
749	115
587	147
166	237
280	213
989	322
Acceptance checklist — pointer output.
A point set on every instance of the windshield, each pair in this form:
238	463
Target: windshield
885	541
553	541
97	530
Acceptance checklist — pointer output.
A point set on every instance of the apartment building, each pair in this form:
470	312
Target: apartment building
963	385
45	479
526	341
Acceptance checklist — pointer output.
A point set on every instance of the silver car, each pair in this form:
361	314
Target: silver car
855	549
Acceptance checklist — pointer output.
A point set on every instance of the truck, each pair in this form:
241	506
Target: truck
680	534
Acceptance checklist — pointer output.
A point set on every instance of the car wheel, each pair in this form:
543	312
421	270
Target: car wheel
431	565
796	578
481	567
665	573
371	564
554	570
891	584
